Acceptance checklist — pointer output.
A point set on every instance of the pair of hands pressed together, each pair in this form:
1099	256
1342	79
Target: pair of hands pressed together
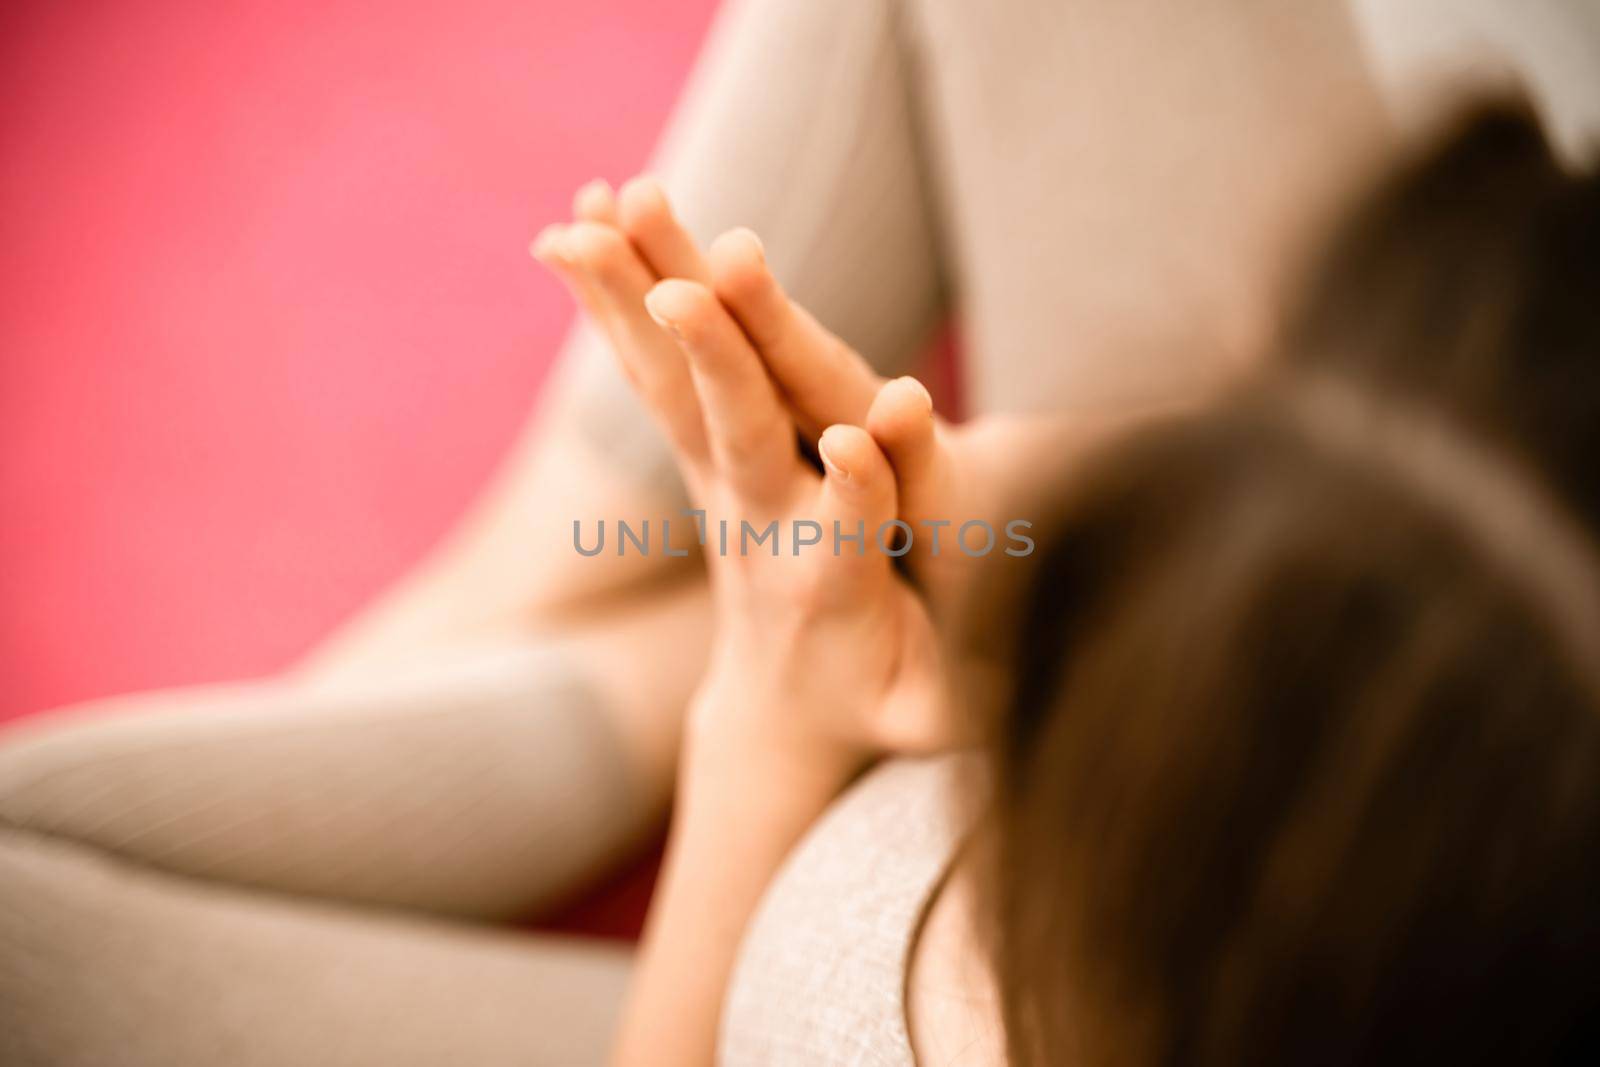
829	658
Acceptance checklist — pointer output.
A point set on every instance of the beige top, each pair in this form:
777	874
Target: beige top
821	976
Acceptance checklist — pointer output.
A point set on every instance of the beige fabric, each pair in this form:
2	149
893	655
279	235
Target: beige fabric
179	873
104	963
483	787
821	975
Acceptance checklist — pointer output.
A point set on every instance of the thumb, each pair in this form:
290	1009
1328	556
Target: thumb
856	505
902	421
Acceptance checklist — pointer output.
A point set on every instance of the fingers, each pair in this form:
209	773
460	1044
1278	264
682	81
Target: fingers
609	280
619	245
824	379
553	248
594	202
750	435
858	494
902	421
606	262
645	215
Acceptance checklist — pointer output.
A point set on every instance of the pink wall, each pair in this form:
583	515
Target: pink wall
266	317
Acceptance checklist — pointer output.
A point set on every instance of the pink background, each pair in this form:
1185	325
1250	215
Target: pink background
266	316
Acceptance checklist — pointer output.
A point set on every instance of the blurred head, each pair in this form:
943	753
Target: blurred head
1302	759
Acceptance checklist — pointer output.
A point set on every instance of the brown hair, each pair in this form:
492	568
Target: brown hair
1302	761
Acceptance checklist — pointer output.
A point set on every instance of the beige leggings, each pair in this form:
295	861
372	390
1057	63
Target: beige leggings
279	874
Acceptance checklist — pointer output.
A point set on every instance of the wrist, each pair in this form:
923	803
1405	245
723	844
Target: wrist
756	737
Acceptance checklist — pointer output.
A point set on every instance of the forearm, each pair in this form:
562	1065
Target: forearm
742	806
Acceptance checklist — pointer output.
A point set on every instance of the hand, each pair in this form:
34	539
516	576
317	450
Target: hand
831	652
816	648
619	246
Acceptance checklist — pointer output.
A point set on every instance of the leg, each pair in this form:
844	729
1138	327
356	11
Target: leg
104	961
160	856
486	786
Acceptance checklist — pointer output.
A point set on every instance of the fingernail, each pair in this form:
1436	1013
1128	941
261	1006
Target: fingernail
660	319
645	187
551	245
755	242
921	390
591	198
835	471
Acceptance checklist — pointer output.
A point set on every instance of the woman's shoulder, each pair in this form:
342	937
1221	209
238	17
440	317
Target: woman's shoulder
821	975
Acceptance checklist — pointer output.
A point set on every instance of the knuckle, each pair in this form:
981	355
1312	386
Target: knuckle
752	453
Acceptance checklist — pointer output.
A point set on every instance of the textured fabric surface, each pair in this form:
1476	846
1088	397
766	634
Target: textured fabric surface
180	872
482	787
820	979
104	962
